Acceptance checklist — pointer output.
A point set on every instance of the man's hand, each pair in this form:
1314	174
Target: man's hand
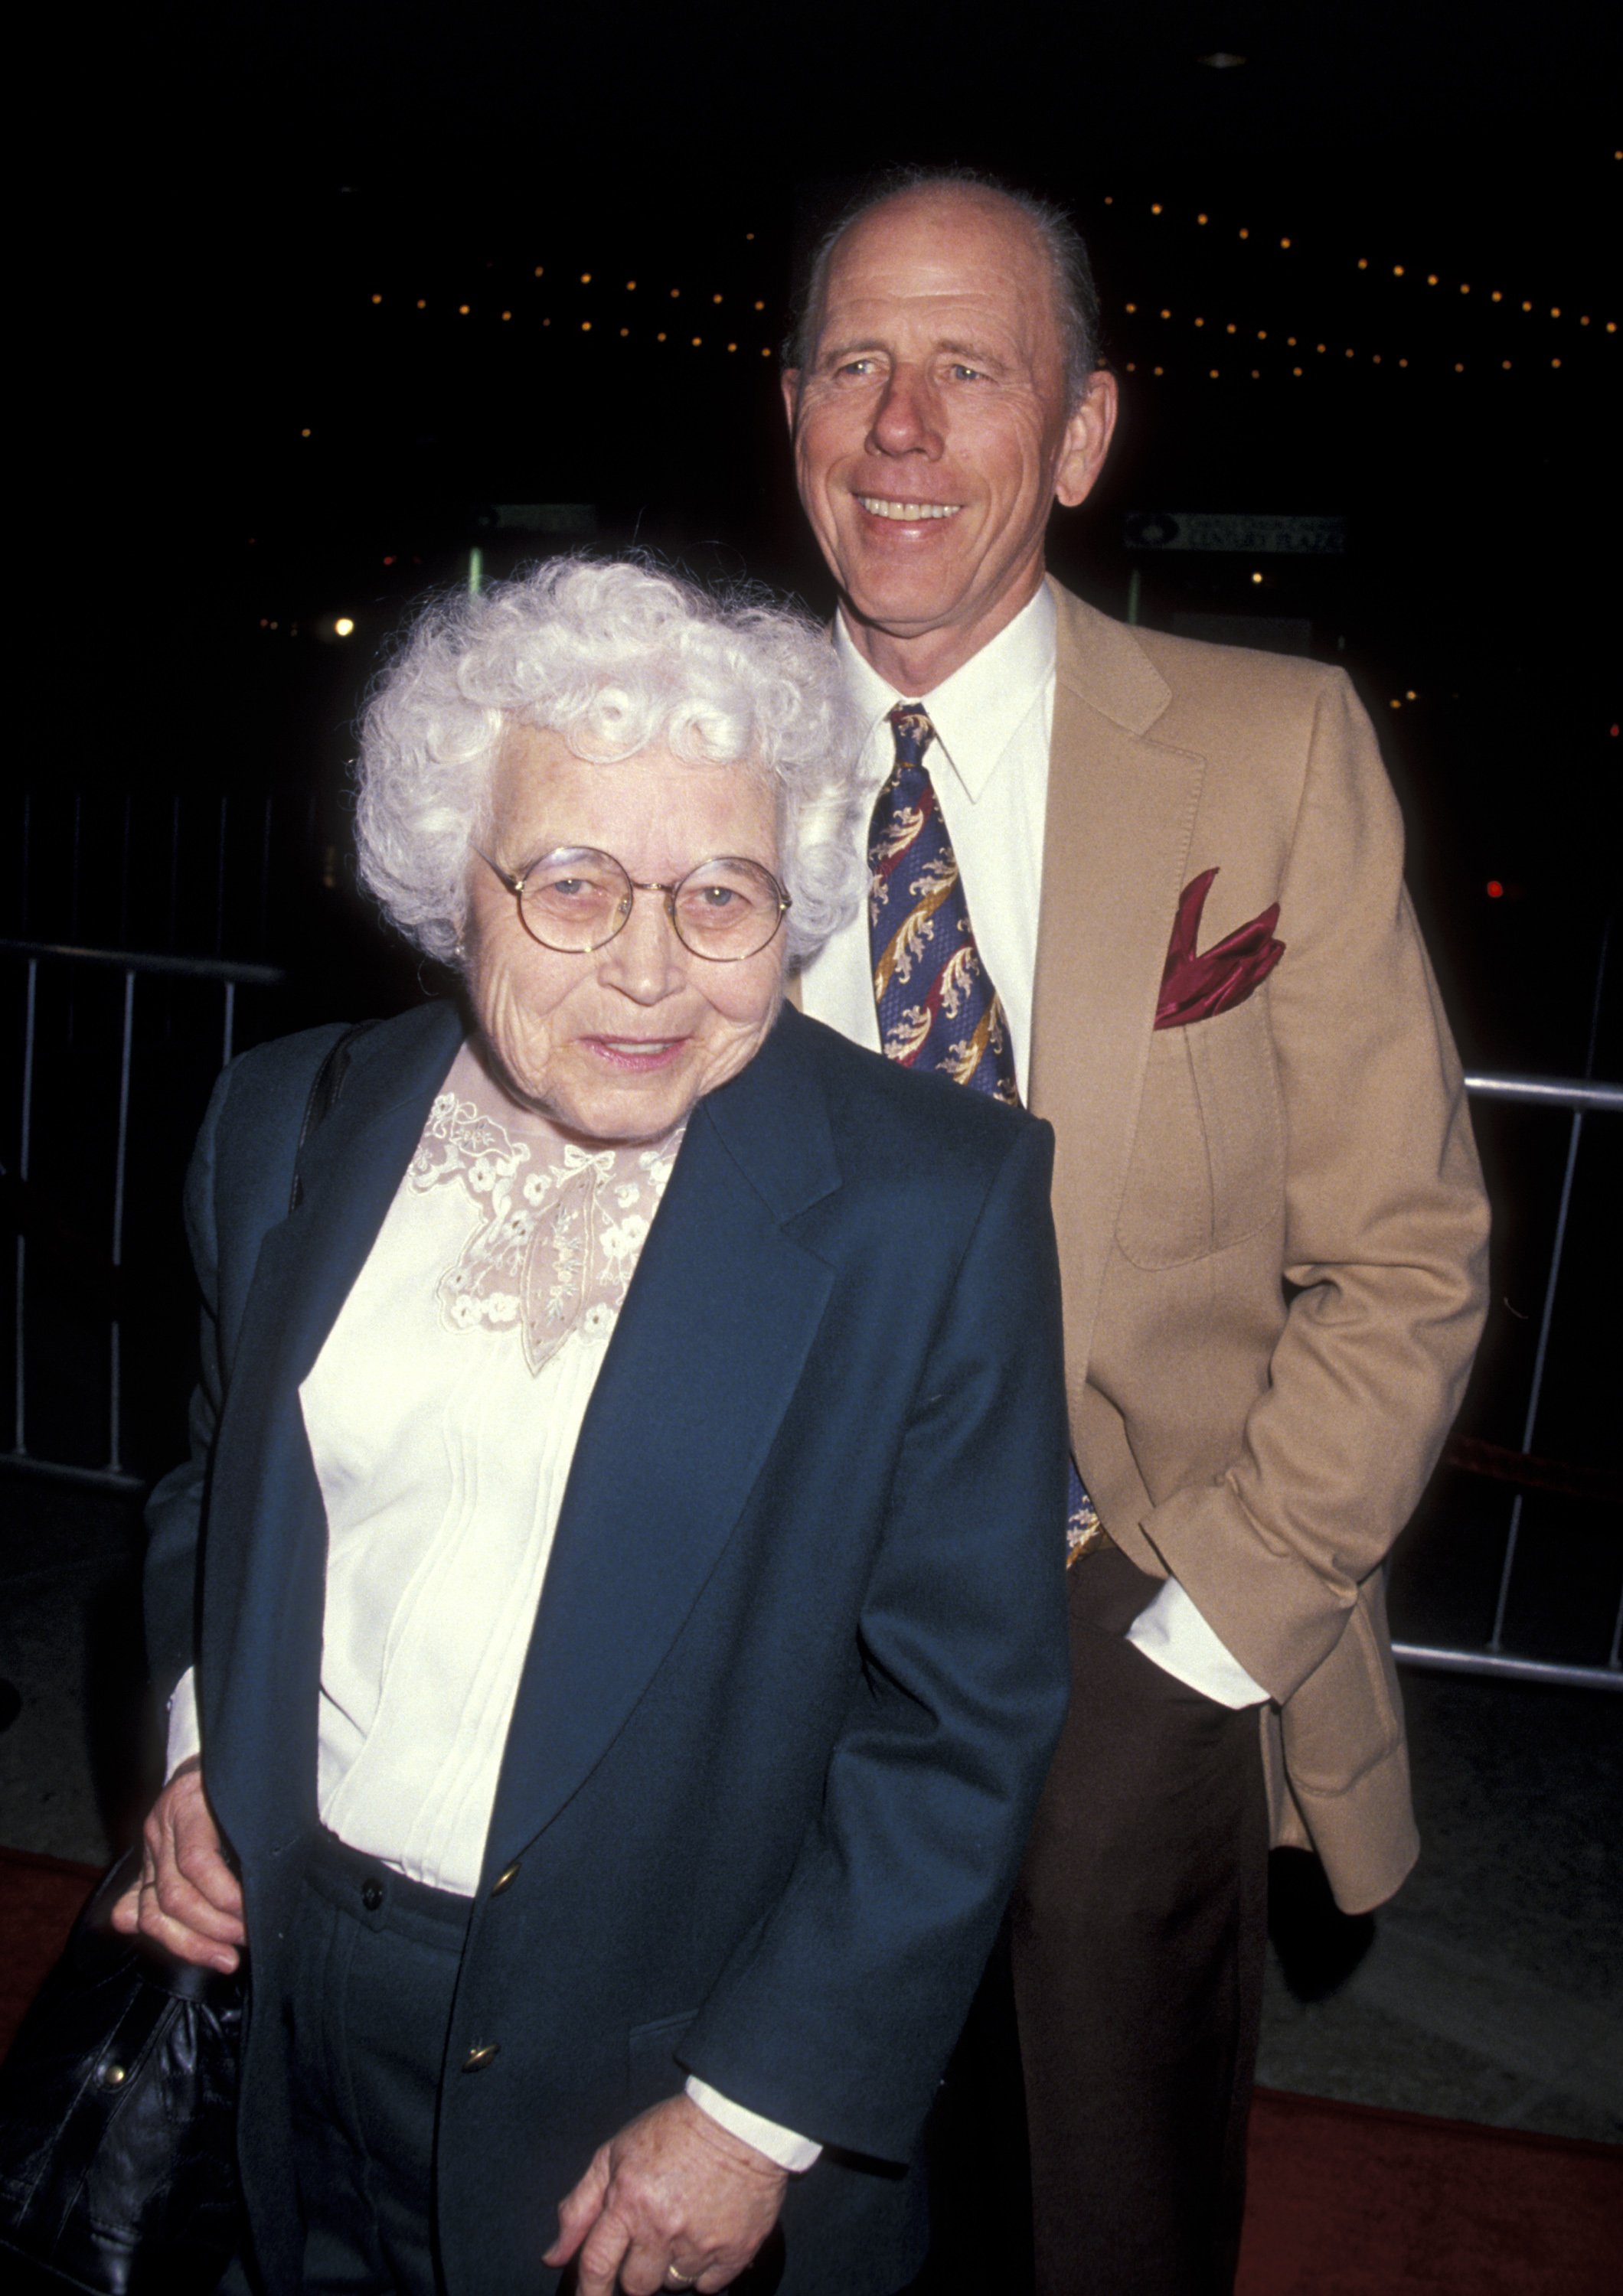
187	1900
674	2193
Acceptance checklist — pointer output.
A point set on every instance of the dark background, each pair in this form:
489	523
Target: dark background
262	406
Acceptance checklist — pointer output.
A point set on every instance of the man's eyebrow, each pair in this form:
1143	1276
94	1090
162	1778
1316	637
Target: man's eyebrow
852	348
946	345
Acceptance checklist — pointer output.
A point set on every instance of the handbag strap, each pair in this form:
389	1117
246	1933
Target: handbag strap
325	1086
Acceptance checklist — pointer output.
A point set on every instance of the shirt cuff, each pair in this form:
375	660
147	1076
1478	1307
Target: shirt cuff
1172	1634
185	1738
793	2152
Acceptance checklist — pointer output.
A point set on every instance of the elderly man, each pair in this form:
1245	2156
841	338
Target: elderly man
1155	889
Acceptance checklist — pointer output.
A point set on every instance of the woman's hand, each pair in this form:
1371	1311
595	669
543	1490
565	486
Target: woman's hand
674	2200
187	1901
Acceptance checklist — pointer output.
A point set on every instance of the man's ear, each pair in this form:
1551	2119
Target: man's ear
1087	440
789	382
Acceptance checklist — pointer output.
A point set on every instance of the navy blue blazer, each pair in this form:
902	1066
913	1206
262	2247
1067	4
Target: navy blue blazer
799	1662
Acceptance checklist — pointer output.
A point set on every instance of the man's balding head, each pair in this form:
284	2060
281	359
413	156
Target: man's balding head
1076	296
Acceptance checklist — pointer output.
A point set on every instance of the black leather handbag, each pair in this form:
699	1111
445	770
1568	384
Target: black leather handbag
118	2118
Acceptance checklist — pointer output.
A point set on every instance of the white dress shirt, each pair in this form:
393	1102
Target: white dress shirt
442	1413
994	720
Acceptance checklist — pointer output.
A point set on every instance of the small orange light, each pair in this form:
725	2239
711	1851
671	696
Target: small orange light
1398	271
377	298
1244	233
1363	263
462	310
1130	306
539	270
631	286
1155	207
1284	242
715	298
1200	218
760	307
586	279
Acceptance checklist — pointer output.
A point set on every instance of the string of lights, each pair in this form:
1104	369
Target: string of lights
1526	304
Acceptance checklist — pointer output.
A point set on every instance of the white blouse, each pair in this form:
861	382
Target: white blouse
442	1414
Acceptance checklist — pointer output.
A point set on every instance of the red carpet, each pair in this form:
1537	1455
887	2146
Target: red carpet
1346	2201
1349	2200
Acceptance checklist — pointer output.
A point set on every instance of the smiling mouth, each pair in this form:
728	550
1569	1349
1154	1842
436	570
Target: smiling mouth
878	506
636	1052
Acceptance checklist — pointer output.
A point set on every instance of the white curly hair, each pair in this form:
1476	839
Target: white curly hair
616	657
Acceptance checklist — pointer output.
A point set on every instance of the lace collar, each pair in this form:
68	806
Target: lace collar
561	1227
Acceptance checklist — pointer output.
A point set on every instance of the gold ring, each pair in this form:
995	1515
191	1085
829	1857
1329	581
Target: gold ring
679	2279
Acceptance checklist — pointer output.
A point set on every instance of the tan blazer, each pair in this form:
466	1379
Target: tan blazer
1272	1224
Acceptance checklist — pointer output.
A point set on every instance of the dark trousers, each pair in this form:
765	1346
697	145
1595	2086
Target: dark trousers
374	1972
1138	1932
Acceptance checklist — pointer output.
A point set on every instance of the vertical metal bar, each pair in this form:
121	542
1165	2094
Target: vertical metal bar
1527	1424
1556	1249
1135	583
224	1057
115	1366
1614	1656
21	1423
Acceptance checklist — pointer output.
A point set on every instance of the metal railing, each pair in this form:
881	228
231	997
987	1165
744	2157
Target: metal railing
1584	1096
113	1475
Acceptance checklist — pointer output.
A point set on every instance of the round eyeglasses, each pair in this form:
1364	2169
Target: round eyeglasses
576	898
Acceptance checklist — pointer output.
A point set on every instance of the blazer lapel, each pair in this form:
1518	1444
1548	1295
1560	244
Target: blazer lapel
706	1356
1121	811
263	1592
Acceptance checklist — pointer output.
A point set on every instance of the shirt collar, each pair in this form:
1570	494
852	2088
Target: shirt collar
976	711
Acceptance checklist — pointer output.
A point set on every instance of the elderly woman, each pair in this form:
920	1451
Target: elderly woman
614	1604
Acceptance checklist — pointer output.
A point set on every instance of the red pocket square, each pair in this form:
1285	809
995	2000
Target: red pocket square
1196	987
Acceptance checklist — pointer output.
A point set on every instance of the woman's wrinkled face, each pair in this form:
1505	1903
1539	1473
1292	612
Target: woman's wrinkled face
617	1043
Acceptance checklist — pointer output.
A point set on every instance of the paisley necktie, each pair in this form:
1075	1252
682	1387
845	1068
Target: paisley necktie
937	1006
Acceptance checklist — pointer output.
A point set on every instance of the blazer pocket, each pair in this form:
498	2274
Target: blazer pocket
651	2070
1208	1157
